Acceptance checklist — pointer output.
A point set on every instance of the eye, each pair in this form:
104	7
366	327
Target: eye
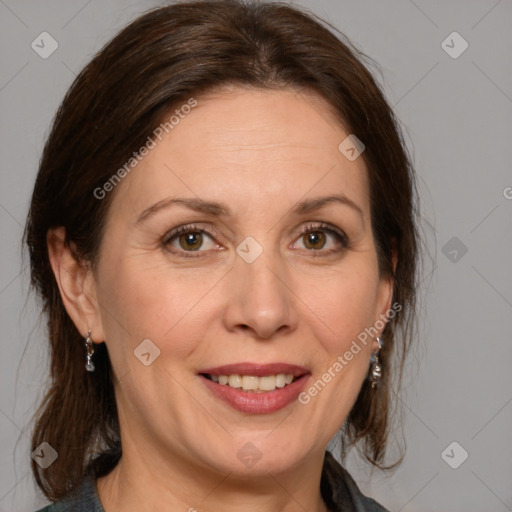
315	238
322	237
189	239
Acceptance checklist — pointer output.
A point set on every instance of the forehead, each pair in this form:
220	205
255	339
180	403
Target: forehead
249	147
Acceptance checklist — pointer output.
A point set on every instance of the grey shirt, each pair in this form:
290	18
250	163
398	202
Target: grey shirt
339	491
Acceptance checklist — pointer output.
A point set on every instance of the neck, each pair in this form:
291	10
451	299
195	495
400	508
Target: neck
143	483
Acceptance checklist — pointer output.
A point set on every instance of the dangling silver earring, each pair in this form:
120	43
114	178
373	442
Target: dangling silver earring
89	347
375	367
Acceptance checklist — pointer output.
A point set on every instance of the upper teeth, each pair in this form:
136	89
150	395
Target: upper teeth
253	383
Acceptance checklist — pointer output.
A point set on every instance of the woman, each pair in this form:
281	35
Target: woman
223	234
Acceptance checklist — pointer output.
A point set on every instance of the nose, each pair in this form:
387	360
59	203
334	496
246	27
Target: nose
260	300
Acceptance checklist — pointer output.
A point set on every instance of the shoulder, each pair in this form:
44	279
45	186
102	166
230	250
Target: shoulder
55	507
344	494
362	502
59	506
83	499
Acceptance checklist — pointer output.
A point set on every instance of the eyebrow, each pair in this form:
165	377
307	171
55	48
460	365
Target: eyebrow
199	205
219	210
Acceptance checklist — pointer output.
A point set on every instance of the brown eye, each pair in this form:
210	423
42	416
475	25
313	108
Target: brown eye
322	239
191	241
188	239
314	240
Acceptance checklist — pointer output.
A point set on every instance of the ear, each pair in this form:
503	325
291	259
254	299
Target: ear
385	292
76	284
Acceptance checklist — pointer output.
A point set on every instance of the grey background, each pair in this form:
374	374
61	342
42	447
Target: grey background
457	117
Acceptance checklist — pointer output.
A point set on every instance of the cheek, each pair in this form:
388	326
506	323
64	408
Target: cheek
346	305
142	302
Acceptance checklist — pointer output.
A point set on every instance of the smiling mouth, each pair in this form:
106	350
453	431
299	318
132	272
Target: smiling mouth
254	387
253	383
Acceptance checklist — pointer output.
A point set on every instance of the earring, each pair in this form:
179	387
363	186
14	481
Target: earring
89	347
375	368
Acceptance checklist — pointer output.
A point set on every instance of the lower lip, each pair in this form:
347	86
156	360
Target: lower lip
257	403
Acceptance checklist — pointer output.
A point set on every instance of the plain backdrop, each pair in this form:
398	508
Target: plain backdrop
456	113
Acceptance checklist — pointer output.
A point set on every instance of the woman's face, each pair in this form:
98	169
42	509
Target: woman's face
240	284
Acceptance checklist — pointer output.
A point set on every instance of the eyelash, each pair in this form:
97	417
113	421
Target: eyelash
339	235
310	228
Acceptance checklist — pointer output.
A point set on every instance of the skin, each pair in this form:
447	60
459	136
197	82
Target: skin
301	302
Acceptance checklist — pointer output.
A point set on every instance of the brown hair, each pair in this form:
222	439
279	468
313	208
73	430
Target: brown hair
157	62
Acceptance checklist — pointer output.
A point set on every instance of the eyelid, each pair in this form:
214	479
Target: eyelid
338	233
312	226
322	226
189	228
186	228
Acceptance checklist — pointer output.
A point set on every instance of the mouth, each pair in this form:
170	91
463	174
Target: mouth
255	388
253	383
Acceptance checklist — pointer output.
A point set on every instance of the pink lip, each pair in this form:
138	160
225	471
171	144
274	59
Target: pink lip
251	402
258	370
